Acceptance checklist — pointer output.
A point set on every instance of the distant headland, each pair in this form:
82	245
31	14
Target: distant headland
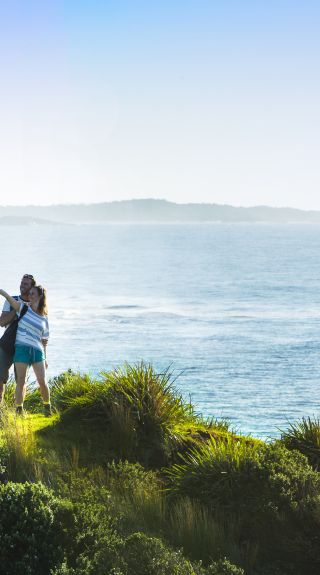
152	211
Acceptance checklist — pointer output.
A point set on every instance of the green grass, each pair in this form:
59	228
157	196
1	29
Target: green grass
19	445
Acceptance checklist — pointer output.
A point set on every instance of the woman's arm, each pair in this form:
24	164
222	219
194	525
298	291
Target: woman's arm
45	343
14	303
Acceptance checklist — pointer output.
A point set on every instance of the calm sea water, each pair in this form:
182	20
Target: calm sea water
233	309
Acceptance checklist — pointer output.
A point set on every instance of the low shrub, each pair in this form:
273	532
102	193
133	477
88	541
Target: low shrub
143	555
273	492
93	532
67	387
31	529
124	478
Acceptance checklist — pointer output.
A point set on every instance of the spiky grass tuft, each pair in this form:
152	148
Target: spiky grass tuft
150	396
213	471
304	436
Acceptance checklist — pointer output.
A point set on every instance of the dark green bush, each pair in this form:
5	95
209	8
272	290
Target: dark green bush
93	532
67	387
125	477
145	555
273	492
149	556
31	529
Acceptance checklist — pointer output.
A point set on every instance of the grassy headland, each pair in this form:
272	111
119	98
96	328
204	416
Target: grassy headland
126	479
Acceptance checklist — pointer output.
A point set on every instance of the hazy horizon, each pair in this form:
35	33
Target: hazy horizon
147	199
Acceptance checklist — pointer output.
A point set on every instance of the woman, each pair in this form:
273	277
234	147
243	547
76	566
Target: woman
31	341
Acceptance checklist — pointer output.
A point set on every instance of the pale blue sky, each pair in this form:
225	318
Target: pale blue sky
210	101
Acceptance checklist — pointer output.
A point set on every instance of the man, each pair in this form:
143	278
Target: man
7	316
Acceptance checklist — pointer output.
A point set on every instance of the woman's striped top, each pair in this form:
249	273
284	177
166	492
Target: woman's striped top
32	328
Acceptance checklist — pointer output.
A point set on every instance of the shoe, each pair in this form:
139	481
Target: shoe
47	410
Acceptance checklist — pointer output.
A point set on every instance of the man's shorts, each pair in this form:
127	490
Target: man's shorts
6	360
28	354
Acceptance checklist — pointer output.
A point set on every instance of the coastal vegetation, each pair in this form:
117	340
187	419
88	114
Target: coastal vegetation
127	479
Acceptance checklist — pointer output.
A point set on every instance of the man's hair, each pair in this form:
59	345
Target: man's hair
30	277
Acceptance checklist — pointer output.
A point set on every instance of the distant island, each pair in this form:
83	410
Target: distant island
152	210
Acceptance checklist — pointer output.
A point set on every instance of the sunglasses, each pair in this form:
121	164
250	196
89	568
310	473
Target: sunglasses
28	276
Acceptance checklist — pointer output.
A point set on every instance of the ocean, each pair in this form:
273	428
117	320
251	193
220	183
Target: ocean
232	310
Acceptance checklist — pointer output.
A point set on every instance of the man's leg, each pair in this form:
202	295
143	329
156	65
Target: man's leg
21	371
5	364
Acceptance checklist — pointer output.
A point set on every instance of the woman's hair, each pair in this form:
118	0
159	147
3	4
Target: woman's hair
42	293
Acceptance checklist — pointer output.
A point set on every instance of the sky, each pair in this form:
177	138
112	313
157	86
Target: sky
189	101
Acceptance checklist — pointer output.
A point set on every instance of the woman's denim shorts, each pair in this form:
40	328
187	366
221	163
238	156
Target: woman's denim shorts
28	354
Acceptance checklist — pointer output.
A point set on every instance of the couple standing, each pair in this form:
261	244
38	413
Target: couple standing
30	308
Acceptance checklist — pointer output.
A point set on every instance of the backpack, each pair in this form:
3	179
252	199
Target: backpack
8	340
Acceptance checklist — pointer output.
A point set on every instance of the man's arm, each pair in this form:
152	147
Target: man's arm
7	317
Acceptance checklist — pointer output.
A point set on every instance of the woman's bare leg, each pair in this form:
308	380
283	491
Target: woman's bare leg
40	373
21	371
